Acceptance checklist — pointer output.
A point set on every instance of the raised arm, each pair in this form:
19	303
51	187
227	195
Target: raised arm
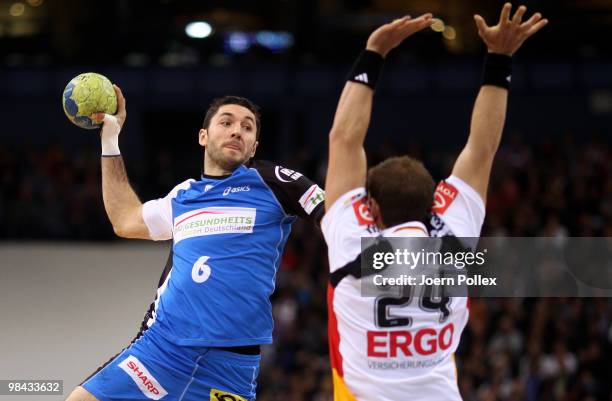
347	165
476	159
123	207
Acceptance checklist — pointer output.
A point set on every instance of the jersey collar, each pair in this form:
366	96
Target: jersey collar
221	177
408	229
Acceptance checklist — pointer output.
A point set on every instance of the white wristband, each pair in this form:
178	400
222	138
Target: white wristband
110	136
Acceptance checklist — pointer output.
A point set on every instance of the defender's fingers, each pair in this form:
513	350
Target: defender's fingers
415	25
425	16
481	25
401	20
428	22
505	13
518	15
423	20
416	20
421	25
531	21
537	27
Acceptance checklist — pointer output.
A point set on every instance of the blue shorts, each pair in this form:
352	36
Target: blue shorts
153	368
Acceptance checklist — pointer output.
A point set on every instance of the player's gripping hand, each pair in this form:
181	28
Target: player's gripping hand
509	34
112	125
389	36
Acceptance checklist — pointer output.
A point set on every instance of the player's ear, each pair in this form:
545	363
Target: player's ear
254	148
203	137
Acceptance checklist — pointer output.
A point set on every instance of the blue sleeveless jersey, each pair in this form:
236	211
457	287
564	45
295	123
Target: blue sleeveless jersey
228	237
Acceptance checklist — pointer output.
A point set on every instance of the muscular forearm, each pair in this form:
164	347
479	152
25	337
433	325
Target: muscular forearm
123	207
488	120
475	161
120	200
354	109
353	114
347	165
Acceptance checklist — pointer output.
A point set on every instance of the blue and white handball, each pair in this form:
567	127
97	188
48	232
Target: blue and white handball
86	94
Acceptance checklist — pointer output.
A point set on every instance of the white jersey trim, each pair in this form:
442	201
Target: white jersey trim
157	213
343	226
464	224
342	200
409	229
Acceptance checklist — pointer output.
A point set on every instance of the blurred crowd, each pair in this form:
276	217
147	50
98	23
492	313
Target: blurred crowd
552	188
546	349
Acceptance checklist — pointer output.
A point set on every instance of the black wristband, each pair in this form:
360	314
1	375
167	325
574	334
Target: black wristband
497	70
366	69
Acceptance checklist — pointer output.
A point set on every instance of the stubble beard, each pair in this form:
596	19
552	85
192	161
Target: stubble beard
219	159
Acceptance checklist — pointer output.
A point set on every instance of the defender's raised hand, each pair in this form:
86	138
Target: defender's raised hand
509	34
389	36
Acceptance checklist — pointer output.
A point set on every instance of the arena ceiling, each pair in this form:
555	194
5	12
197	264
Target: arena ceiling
44	32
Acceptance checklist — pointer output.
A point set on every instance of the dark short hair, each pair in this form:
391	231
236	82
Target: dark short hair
403	189
240	101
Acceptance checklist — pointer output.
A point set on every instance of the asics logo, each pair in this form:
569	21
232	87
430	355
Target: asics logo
233	190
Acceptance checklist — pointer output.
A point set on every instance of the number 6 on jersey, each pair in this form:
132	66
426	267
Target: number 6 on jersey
201	271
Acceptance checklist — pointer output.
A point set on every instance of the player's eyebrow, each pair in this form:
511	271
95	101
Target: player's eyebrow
227	113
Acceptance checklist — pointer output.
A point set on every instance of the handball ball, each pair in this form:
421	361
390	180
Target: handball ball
86	94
